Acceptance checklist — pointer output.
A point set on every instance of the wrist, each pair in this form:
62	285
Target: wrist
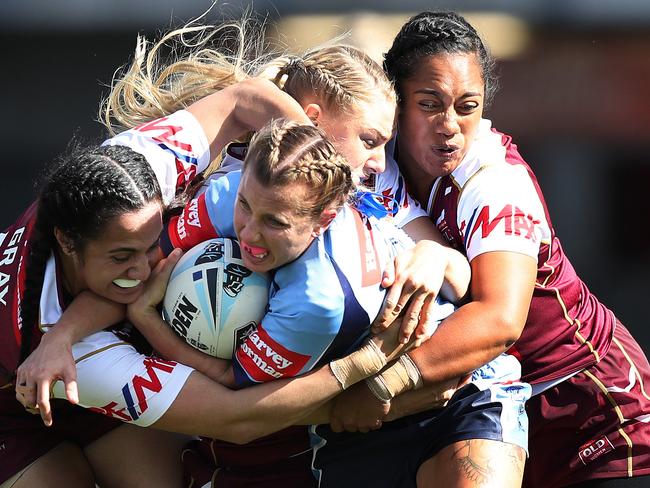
400	377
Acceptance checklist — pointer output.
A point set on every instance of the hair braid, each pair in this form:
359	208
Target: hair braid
284	153
431	33
81	192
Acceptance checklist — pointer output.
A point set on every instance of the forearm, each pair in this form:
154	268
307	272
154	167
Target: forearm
243	107
469	338
87	313
168	345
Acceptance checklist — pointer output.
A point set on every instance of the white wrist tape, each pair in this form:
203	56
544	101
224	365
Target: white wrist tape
365	361
402	376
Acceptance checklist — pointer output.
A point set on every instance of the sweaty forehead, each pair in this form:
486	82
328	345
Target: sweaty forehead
457	69
378	116
272	198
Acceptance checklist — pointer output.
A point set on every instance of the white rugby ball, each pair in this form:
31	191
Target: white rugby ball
212	300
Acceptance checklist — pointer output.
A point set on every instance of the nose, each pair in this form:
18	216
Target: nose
141	269
248	231
376	164
448	123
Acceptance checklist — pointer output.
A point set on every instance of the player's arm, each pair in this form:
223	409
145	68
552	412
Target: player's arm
243	107
52	360
419	274
456	269
144	314
205	407
502	287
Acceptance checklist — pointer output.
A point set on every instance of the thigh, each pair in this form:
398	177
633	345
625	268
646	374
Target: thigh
135	456
64	465
474	463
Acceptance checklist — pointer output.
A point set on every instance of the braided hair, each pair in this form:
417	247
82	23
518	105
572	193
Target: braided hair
431	33
341	76
283	152
80	193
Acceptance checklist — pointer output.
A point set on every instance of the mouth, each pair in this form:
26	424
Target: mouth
126	284
255	252
446	151
369	181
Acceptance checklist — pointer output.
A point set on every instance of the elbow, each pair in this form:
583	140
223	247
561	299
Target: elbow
239	433
510	328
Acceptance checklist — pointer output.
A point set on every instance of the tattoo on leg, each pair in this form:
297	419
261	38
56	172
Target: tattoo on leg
471	467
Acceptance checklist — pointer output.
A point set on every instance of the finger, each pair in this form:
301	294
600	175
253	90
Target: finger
27	394
388	278
395	301
412	317
72	391
425	327
336	425
43	402
376	425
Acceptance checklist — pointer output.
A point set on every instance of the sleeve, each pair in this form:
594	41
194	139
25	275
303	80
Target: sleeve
500	210
392	186
206	216
299	326
175	146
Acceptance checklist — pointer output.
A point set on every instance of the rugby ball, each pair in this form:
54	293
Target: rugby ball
212	300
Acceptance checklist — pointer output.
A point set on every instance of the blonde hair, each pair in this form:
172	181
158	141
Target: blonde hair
340	76
285	152
150	88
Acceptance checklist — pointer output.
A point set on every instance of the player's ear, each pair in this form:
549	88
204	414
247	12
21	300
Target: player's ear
64	242
324	221
314	112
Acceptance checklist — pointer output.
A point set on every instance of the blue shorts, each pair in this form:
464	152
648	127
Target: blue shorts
391	456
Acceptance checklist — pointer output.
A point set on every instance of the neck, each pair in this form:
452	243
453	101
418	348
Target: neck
68	273
418	182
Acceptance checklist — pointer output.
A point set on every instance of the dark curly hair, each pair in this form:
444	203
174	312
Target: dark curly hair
80	193
431	33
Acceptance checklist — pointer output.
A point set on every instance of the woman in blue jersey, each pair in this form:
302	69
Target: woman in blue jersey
94	233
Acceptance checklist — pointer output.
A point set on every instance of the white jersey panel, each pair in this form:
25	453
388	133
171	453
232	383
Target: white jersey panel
175	146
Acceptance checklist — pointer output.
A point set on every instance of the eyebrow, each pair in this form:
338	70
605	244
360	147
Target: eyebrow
132	249
381	135
431	91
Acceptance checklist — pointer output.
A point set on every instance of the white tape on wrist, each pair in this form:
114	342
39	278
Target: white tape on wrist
366	361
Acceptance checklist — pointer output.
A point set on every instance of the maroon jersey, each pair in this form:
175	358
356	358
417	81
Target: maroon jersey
14	248
492	202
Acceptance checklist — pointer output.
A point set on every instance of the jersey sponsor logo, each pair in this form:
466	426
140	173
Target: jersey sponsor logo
139	385
594	449
166	133
370	272
264	359
167	140
8	256
515	223
193	225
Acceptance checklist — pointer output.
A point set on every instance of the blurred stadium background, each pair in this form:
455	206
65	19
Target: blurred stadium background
575	94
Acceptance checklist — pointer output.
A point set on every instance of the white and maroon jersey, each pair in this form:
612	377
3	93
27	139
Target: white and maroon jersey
175	146
14	249
492	202
391	185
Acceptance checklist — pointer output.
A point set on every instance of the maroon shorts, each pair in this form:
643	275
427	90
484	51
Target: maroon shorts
595	424
281	459
24	438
